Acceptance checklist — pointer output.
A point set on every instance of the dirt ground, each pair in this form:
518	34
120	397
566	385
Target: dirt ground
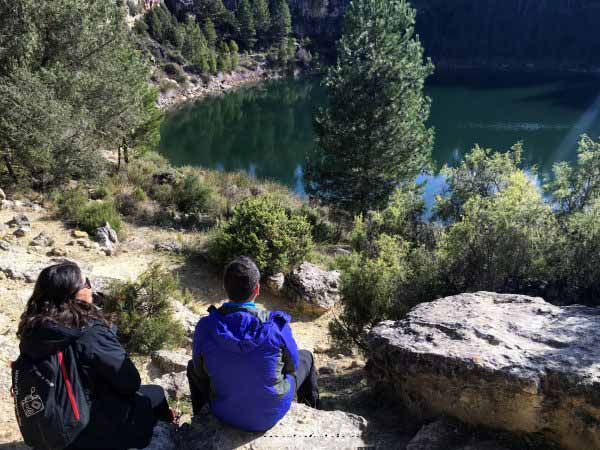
342	378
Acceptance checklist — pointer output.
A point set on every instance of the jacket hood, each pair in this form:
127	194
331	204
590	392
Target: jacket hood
47	339
239	332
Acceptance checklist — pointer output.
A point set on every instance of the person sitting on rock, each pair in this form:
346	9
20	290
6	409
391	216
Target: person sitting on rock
61	319
246	364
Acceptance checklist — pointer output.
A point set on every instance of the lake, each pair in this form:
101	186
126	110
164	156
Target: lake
267	129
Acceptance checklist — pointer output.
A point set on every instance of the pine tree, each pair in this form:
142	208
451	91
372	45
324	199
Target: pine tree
209	9
372	135
212	62
194	47
262	21
224	58
210	33
235	57
281	21
245	20
71	83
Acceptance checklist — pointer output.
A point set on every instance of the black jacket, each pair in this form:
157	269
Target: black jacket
120	417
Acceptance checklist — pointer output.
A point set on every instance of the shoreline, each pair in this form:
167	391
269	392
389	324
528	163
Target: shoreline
218	85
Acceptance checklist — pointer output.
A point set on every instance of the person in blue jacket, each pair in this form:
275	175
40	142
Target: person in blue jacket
246	364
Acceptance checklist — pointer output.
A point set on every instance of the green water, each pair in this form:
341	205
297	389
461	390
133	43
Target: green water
267	129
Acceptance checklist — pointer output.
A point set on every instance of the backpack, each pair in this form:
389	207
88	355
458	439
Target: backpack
51	405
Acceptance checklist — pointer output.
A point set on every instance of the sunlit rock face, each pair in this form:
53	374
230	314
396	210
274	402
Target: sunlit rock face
507	362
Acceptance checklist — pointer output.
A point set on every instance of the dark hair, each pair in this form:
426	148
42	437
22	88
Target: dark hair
53	300
241	277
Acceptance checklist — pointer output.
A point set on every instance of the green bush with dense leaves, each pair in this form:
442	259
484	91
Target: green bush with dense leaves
86	214
191	195
142	311
493	229
261	228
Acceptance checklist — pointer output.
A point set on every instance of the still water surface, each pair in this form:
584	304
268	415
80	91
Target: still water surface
267	129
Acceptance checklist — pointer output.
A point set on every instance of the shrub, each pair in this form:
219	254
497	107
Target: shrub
85	214
96	213
369	288
193	196
139	195
261	229
142	311
175	72
501	237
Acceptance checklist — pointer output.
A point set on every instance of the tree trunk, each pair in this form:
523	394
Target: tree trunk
119	160
10	169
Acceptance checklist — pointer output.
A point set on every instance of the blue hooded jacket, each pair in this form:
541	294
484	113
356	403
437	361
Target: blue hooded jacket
251	359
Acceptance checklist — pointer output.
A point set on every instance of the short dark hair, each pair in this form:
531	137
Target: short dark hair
240	279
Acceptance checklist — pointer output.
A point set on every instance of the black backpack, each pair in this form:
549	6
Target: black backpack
51	405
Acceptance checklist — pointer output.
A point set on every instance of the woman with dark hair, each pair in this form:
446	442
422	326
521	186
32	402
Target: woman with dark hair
61	314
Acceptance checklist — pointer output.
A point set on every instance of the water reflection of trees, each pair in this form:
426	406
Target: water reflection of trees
267	127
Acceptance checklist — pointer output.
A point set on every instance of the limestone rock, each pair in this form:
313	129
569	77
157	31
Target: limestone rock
314	286
58	252
275	283
20	220
6	204
507	362
106	236
22	232
186	317
78	234
5	245
2	195
176	385
170	361
169	246
42	240
303	428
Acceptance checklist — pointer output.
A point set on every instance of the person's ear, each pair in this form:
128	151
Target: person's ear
256	291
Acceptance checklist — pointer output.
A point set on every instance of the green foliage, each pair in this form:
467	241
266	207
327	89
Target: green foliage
281	21
88	215
482	173
211	33
262	20
369	289
235	57
162	26
261	229
142	311
71	83
191	195
245	20
175	72
373	134
499	238
576	187
224	58
195	46
139	195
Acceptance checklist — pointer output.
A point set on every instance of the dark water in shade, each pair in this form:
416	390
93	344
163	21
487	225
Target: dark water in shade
267	129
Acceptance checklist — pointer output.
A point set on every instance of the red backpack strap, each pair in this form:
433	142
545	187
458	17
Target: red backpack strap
69	387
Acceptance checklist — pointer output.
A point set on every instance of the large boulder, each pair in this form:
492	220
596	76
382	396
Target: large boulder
508	362
169	361
302	428
186	317
312	286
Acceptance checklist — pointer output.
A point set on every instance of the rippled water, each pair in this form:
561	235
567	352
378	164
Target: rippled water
267	129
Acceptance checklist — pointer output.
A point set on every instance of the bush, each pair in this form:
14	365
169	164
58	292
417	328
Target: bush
142	311
193	196
167	85
175	72
139	195
261	229
95	214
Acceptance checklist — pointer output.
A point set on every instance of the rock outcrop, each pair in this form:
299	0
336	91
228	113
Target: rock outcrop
507	362
312	286
303	428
